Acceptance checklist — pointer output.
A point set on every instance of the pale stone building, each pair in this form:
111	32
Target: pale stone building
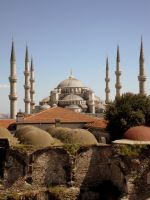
71	93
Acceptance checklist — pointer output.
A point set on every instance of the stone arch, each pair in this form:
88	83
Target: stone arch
96	168
52	165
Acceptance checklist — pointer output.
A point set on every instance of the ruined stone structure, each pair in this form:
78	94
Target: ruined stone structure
100	172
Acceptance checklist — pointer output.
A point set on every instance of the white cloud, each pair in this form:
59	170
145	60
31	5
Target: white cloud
4	86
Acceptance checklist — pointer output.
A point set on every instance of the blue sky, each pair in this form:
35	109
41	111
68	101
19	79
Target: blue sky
77	34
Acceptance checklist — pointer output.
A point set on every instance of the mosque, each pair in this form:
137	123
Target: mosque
70	93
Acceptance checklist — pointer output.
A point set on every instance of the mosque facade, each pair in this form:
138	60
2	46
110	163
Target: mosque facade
73	94
70	93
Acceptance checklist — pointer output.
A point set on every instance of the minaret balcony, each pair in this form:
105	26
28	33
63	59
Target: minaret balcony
27	73
142	78
27	87
107	90
12	97
32	91
118	86
107	79
12	79
118	73
27	100
32	103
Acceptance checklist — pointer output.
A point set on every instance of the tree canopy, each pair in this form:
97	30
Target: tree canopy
127	111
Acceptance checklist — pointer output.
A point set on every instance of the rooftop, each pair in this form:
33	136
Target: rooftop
4	123
63	114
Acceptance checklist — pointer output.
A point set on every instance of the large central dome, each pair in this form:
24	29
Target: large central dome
70	82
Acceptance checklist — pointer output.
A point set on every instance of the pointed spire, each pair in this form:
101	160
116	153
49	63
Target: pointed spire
71	74
141	77
142	51
118	54
107	64
13	57
32	66
27	55
13	81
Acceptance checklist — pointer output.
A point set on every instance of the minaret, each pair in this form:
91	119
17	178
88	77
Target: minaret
13	81
32	90
27	83
118	74
141	77
107	80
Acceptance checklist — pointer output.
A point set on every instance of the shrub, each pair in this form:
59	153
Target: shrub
127	111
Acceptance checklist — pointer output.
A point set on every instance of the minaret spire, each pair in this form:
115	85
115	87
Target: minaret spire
32	90
107	80
141	77
27	83
118	74
13	57
71	73
13	81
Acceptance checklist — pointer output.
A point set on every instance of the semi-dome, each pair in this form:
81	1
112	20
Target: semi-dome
139	133
70	82
45	100
72	97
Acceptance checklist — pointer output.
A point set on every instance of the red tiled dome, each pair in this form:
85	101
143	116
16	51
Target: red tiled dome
140	133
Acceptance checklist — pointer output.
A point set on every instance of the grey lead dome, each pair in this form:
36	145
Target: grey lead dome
70	82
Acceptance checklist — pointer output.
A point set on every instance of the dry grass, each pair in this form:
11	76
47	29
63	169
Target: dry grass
72	136
4	133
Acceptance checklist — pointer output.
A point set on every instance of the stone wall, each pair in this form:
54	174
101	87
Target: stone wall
91	169
15	167
51	167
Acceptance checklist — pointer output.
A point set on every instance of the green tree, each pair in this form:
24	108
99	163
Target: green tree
127	111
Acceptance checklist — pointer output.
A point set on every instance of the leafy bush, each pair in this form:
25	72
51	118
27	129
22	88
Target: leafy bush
130	150
127	111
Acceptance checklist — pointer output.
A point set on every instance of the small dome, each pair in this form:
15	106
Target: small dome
32	135
72	97
45	100
44	107
5	134
139	133
70	82
73	136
